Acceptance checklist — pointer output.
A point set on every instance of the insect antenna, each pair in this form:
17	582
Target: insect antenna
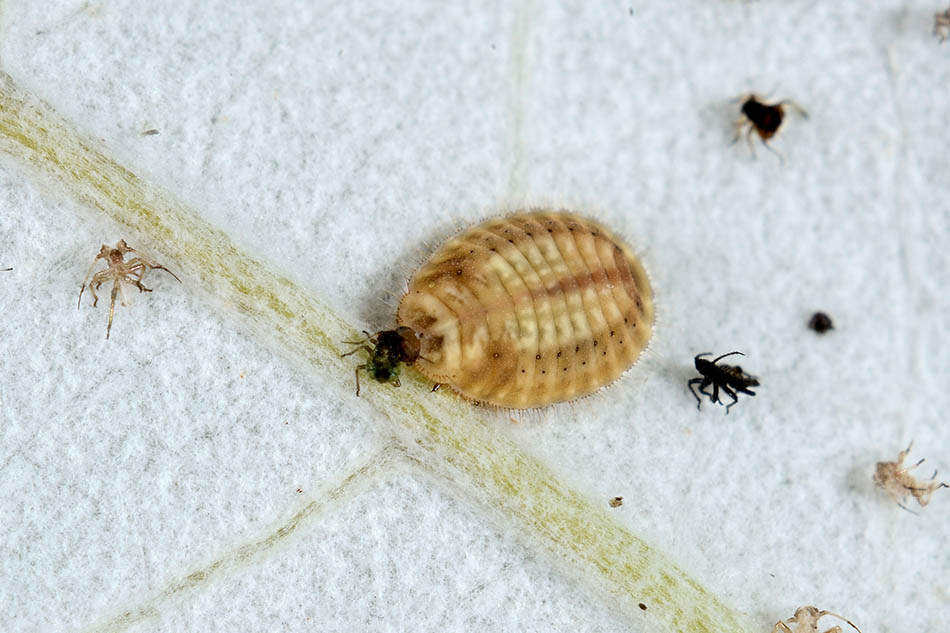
821	614
724	355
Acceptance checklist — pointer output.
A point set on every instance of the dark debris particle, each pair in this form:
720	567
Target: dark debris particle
820	323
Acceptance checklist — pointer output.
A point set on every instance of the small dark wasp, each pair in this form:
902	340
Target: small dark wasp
729	378
387	349
765	119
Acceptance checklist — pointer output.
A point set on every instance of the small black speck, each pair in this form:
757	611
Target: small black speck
583	362
495	355
595	342
625	320
611	332
543	372
537	357
522	371
577	349
458	272
565	369
605	352
642	606
559	353
821	323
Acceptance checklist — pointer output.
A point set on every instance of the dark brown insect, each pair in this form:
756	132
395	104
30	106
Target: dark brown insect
765	119
616	502
387	350
729	378
821	322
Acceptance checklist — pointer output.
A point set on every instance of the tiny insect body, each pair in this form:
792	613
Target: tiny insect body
521	312
820	323
897	481
765	119
119	272
942	25
729	378
806	619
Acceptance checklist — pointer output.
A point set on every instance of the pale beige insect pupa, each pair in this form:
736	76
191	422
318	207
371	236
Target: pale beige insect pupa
523	311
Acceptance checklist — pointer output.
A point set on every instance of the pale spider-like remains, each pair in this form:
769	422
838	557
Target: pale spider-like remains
118	272
898	482
806	621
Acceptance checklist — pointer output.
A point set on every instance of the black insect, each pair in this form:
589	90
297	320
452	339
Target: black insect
729	378
821	322
765	119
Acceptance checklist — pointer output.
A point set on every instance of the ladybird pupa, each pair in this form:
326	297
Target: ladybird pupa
530	309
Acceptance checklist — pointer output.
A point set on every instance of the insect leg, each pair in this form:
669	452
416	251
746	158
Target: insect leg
732	394
115	290
702	384
356	372
367	348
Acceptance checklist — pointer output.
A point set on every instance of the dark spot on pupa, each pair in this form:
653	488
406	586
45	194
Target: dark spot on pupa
565	369
458	272
611	332
495	355
577	349
595	342
559	353
537	357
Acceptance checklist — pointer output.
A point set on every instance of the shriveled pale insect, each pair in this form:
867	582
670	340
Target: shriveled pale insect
806	621
119	272
765	119
942	25
894	478
521	312
616	502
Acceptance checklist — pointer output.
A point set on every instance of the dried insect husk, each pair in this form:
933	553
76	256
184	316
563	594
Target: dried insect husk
530	309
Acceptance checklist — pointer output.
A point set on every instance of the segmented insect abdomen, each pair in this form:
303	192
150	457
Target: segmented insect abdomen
530	309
